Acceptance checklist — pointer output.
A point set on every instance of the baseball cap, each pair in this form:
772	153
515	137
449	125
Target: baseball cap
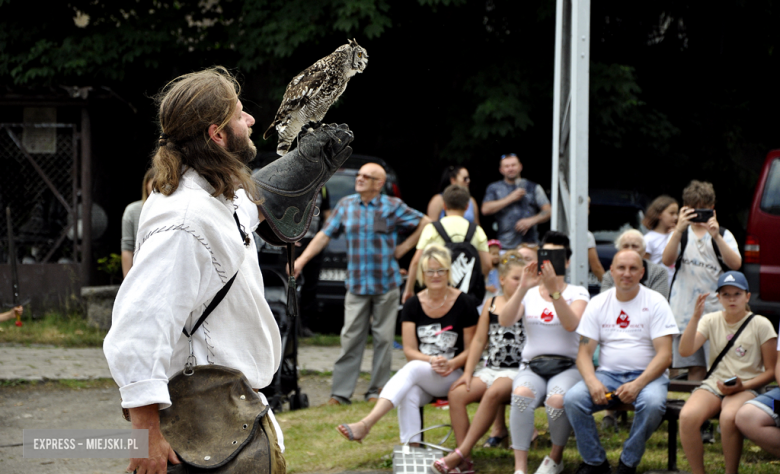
733	278
494	242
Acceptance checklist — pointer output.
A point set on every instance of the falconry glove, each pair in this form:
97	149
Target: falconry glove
288	187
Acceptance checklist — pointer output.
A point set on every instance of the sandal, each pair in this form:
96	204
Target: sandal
345	431
441	467
496	441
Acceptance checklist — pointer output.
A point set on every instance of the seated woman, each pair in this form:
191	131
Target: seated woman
492	383
453	175
759	419
438	325
750	363
551	313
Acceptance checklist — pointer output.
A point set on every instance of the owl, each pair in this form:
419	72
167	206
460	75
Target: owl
311	93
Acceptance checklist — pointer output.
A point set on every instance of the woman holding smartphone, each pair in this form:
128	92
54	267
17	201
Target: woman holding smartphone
745	367
551	313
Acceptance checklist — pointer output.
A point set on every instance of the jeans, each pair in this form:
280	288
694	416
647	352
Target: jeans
650	407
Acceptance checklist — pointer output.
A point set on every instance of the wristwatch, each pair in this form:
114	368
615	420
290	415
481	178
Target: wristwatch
556	295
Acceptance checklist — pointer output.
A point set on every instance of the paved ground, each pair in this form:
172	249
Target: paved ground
46	363
53	407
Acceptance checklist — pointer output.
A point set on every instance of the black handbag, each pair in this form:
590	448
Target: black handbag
550	365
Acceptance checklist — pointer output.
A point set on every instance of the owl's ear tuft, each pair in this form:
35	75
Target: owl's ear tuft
353	42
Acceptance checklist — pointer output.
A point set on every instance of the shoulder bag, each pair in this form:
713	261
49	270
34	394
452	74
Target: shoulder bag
729	345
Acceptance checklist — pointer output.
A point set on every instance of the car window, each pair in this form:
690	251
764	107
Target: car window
340	185
608	222
770	200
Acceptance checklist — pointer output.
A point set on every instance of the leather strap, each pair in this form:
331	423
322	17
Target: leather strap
222	292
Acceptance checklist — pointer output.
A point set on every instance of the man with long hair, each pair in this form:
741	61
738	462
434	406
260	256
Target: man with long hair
195	234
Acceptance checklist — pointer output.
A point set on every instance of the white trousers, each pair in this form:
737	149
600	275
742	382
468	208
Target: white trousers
412	387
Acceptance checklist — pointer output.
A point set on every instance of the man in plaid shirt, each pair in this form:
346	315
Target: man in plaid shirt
371	221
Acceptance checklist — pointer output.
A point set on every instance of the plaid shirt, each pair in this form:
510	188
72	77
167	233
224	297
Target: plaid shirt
371	232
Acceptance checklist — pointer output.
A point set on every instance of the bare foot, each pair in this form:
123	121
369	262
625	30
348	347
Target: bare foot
353	431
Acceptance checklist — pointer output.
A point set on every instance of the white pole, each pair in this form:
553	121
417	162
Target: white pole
578	163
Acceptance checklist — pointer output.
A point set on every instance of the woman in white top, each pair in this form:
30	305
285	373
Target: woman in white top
551	313
660	218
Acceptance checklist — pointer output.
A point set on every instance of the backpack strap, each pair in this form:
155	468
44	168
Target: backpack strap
678	262
723	266
728	346
443	233
470	233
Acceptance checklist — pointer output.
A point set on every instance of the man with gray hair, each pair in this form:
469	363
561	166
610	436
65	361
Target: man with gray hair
655	277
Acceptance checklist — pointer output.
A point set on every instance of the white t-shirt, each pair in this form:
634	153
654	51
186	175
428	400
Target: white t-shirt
544	333
626	329
655	244
699	272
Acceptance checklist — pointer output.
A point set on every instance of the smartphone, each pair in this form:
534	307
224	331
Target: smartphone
556	256
730	382
702	215
776	406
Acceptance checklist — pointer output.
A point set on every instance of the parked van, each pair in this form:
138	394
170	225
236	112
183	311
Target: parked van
762	245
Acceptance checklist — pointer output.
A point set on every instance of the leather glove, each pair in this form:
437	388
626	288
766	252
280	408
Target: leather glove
288	186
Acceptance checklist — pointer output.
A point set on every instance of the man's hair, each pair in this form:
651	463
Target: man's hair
655	209
188	106
557	238
628	234
148	176
456	197
436	252
699	194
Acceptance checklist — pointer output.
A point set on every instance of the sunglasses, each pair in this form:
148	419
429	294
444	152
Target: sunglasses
439	272
508	155
365	176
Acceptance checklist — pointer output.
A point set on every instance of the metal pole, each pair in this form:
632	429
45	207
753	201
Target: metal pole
86	198
578	163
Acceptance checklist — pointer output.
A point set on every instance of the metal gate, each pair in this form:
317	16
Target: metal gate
39	173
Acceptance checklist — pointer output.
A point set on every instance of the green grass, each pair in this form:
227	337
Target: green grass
63	330
314	445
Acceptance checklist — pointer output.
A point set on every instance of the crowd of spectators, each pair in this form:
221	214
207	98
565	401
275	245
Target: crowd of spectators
671	299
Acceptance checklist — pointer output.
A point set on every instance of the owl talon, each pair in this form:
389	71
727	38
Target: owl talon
311	126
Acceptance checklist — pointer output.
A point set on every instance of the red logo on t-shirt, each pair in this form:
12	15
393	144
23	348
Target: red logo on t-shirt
547	315
622	320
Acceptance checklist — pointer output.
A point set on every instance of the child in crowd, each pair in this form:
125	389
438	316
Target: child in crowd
492	284
661	219
746	365
492	384
701	251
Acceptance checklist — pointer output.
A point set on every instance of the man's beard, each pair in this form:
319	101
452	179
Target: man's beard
245	150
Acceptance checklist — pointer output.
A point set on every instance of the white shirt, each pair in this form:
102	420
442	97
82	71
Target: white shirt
188	247
626	329
699	272
655	244
544	333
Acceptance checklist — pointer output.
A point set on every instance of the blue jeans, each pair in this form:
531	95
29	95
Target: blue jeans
650	407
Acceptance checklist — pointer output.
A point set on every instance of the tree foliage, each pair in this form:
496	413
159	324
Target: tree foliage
685	88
